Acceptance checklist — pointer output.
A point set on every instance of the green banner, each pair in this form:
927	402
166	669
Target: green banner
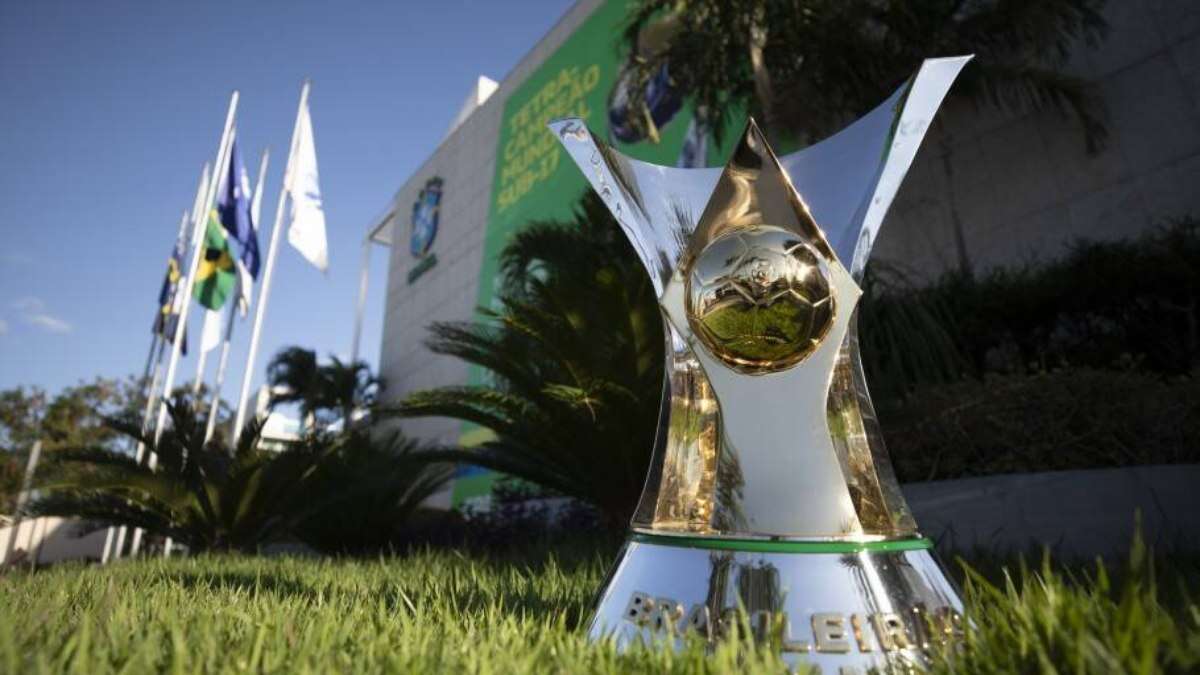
536	180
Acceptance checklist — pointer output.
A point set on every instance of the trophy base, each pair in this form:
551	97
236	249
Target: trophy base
842	606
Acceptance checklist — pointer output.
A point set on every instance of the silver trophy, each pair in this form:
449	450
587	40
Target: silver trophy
770	491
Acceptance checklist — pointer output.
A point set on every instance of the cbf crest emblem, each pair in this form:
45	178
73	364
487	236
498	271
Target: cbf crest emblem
425	217
424	227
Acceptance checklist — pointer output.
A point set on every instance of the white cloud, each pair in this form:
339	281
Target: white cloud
3	326
49	323
33	311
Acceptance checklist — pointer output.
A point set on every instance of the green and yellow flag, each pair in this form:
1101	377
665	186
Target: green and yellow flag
216	277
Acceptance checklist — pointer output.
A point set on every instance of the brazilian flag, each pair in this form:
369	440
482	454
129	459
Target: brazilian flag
217	275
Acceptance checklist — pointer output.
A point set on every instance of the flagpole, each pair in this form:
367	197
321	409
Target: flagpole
264	292
201	362
150	391
223	363
152	397
361	307
199	244
142	384
190	280
139	451
22	497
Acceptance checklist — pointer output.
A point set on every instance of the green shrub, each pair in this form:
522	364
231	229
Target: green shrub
1102	303
1066	419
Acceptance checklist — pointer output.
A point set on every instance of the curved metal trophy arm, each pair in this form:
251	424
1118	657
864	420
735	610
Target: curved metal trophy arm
770	430
850	179
656	206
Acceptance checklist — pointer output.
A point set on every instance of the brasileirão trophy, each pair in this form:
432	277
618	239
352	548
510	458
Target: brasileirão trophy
770	489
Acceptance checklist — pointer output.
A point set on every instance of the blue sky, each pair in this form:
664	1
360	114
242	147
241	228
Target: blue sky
110	109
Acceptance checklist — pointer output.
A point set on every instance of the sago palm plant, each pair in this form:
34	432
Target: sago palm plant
213	497
207	496
371	488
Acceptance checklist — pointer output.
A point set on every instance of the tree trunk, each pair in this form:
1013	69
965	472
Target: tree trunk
762	78
960	239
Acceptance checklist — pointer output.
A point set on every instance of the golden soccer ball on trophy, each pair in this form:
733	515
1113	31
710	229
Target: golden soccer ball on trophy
759	299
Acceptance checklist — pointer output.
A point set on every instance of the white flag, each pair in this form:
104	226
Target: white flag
244	283
307	229
210	337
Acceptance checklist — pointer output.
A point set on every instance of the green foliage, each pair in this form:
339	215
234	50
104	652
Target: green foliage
1101	304
206	496
1065	419
1085	361
574	356
21	412
369	491
445	611
10	481
72	418
805	66
324	392
905	336
338	493
1050	621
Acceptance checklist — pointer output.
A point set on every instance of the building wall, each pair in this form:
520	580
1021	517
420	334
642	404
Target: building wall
466	161
48	539
1024	186
1020	185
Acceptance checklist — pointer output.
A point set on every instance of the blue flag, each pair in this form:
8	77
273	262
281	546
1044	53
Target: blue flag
233	208
166	320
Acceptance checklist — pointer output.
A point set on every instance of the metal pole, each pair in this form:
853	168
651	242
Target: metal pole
154	341
223	363
150	391
360	309
265	290
152	396
22	498
198	231
201	360
190	281
256	200
147	414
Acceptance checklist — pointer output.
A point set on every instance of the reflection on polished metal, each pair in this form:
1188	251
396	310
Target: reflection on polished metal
770	487
759	299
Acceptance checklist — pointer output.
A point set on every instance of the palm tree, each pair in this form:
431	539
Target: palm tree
211	497
575	358
347	387
805	67
297	377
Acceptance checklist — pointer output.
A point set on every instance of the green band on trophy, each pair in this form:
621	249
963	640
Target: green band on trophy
768	546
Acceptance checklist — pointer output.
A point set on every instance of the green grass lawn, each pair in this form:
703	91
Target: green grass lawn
454	612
